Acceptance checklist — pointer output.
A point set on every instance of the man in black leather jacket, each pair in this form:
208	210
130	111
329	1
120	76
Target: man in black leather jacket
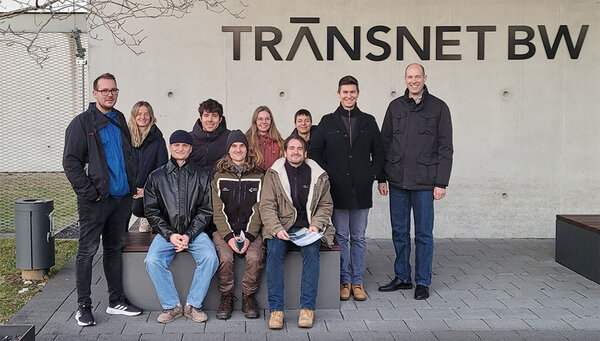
178	207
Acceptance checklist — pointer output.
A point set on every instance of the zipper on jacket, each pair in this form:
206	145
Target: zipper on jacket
350	128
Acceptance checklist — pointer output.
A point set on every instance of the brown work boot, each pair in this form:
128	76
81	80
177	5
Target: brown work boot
226	306
276	320
168	315
345	291
359	292
195	314
306	318
249	306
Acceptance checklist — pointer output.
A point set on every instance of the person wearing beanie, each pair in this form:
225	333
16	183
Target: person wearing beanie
238	224
178	207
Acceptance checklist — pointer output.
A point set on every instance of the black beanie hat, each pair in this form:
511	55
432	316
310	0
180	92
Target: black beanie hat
236	136
180	136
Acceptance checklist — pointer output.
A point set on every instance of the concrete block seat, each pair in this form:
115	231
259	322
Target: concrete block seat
578	244
140	291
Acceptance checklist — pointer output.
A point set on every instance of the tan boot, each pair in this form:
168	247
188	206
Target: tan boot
195	314
306	318
144	225
276	320
168	315
359	292
345	291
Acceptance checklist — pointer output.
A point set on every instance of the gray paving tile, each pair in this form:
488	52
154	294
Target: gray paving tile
203	337
118	337
534	335
236	336
346	326
372	336
498	335
409	303
515	313
507	324
585	312
467	324
552	313
45	337
582	335
374	303
436	313
292	325
548	324
399	314
75	337
589	301
520	302
583	323
143	327
104	328
490	293
427	325
417	335
190	327
289	336
483	303
335	336
162	337
456	335
454	294
361	314
437	302
385	326
557	302
475	313
216	326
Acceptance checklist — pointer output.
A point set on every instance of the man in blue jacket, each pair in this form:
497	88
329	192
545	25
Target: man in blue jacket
417	136
98	161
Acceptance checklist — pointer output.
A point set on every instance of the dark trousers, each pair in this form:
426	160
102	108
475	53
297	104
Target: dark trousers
137	208
109	219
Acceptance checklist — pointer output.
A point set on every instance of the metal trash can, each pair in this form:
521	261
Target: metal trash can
34	236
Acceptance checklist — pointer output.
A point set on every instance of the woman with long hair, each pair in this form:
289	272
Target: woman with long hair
266	144
150	152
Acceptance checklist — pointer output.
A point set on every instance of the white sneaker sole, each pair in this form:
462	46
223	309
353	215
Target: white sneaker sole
82	324
115	311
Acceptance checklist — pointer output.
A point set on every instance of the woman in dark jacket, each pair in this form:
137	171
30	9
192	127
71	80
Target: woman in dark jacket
150	151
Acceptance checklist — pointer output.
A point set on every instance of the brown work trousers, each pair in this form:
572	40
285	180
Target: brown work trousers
255	256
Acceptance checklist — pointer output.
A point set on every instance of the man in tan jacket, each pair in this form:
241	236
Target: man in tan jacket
295	196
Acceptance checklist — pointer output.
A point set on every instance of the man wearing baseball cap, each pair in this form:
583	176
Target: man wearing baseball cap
178	207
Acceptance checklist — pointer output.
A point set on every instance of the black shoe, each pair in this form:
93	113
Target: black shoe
84	316
123	308
421	292
395	284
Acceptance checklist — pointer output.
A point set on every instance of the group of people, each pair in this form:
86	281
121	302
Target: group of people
224	193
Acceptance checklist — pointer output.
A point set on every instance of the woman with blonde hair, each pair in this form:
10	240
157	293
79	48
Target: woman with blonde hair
266	144
150	152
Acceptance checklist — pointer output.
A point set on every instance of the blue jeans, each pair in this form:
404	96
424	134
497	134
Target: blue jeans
350	227
421	202
107	218
161	254
276	250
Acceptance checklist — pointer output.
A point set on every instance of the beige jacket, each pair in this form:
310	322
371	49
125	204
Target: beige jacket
278	212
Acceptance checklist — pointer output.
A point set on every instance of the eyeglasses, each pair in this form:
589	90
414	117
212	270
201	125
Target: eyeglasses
105	92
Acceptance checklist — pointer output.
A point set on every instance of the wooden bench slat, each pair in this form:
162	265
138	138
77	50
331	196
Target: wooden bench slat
590	222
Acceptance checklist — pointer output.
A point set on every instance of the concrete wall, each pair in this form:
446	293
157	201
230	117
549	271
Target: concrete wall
526	136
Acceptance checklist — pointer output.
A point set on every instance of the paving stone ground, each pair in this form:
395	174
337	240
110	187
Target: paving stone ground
483	289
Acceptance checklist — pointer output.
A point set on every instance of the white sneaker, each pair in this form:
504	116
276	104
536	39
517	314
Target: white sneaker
145	225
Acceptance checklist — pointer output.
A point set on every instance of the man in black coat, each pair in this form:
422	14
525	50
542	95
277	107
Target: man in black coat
417	136
348	146
99	163
209	135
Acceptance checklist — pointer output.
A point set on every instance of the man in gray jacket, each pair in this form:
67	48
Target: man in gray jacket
417	136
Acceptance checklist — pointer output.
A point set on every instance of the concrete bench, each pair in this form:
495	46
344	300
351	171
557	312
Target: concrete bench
578	244
140	291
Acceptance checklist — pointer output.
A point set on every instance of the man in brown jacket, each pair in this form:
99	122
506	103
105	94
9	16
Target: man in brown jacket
295	196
